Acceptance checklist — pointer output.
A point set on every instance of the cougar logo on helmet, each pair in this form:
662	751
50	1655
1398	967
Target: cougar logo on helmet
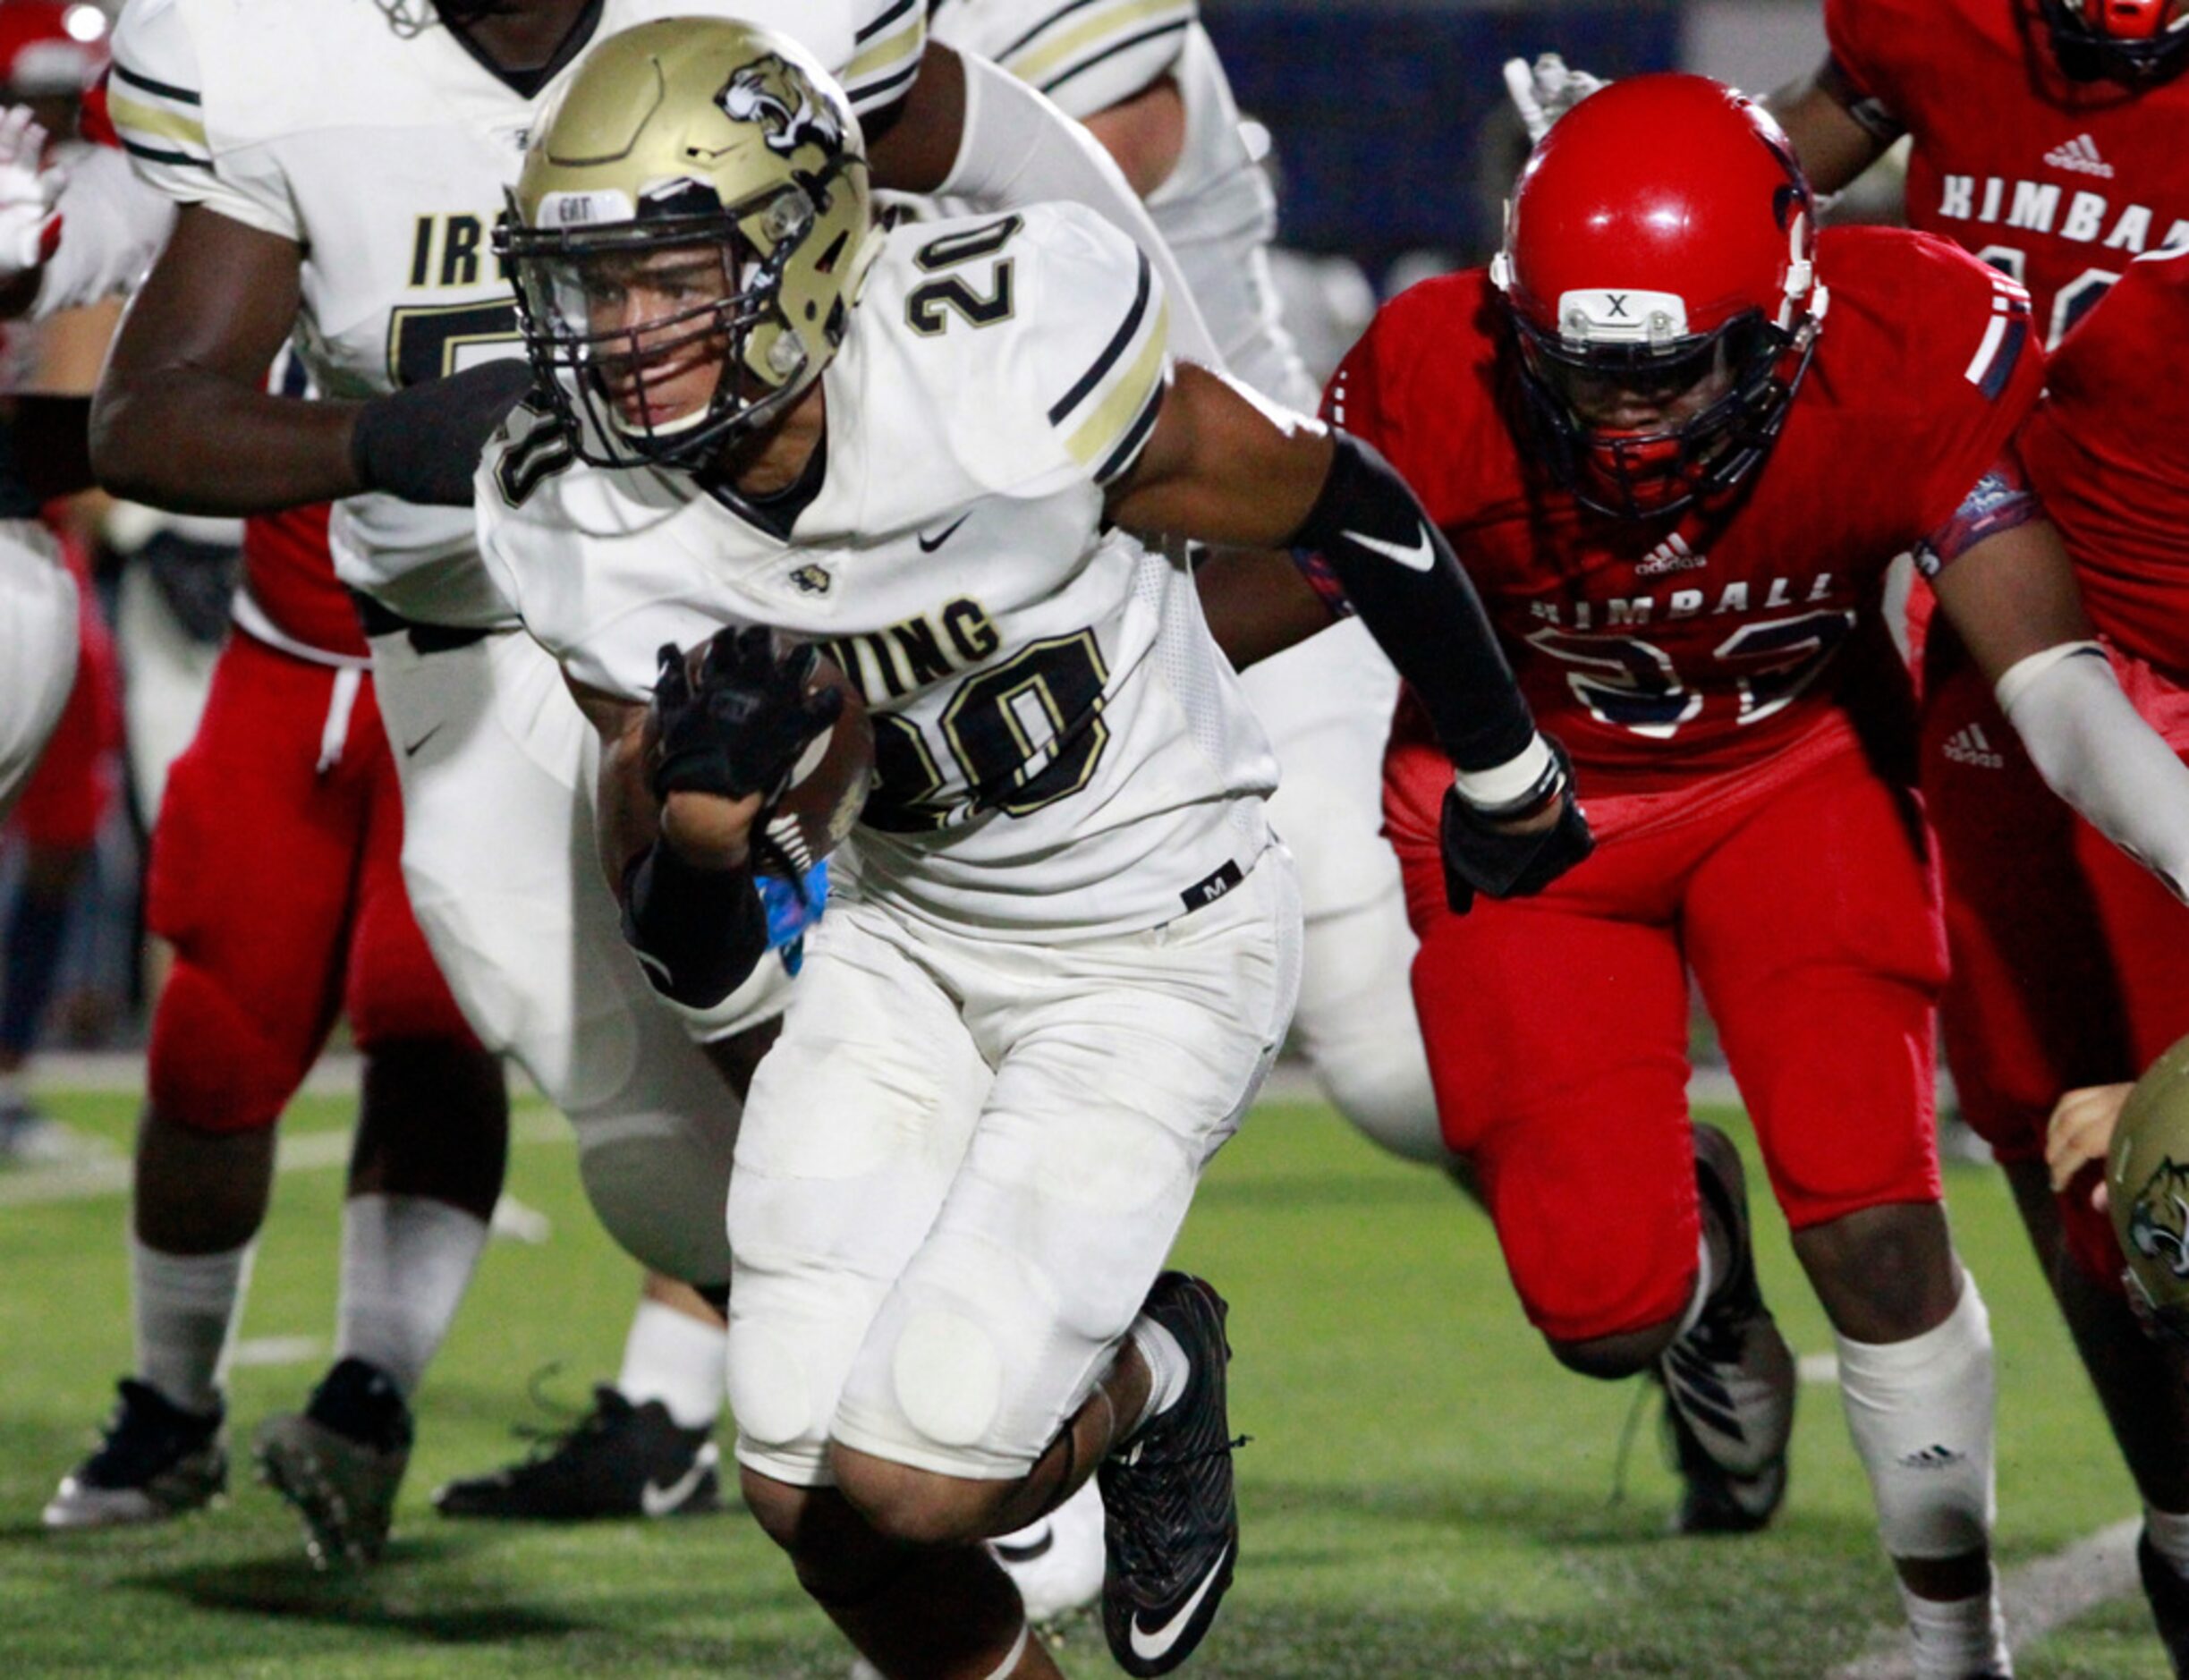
771	93
2158	1223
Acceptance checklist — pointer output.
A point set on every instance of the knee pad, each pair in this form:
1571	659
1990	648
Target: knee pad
1357	1024
1921	1414
660	1184
212	1067
1379	1081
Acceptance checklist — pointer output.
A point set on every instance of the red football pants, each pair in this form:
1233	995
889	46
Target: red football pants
279	883
1799	893
2067	954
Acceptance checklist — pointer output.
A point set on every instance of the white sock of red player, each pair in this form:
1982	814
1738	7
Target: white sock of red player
1921	1415
1958	1639
678	1360
406	1262
187	1307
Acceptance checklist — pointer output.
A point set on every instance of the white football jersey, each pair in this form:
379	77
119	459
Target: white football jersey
1061	750
1215	211
383	148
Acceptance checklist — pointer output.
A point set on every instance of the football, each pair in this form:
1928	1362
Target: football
827	785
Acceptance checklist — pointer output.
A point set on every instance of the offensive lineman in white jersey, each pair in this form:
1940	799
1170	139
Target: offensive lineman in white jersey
339	164
1065	949
1147	83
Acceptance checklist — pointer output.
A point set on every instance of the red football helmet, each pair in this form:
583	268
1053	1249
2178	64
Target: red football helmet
1659	267
2131	41
48	50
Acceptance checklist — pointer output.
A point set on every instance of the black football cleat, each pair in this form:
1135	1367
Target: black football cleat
2169	1595
617	1460
156	1462
340	1463
1171	1517
1730	1381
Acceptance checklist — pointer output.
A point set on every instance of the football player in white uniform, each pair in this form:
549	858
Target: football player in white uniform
1063	948
1147	83
339	167
39	631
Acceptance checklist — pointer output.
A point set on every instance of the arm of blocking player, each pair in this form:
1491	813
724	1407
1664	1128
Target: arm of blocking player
181	420
975	130
1223	467
2011	595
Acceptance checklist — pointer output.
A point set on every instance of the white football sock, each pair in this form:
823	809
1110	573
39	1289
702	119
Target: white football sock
2169	1535
674	1358
187	1307
405	1263
1954	1640
1921	1415
1168	1370
1919	1411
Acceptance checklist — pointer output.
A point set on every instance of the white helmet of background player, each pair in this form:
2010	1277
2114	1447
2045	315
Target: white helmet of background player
689	233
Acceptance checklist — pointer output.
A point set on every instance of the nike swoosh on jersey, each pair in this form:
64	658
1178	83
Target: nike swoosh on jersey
1418	558
1149	1644
410	748
929	545
657	1500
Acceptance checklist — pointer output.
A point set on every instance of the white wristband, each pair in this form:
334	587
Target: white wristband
1505	784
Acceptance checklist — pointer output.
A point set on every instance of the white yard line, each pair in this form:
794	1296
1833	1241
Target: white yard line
2040	1597
305	1152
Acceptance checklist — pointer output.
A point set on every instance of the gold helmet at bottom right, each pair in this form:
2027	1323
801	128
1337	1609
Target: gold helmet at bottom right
2147	1185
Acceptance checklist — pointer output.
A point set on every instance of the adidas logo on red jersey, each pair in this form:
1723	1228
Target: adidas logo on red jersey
2080	157
1968	746
1671	555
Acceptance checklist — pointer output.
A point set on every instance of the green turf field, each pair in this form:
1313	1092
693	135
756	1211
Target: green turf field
1426	1495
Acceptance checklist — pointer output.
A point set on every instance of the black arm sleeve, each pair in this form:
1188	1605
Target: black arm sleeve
422	442
699	933
1407	586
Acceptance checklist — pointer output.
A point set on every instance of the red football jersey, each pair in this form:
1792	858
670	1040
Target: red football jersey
1663	650
2108	452
291	575
2060	183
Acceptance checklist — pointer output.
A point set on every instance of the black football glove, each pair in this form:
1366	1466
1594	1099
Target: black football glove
740	731
1481	857
423	442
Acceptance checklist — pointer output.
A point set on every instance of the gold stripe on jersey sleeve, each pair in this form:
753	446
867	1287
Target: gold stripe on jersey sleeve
1038	59
148	119
889	50
1097	434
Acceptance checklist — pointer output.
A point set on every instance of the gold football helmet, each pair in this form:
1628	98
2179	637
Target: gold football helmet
689	234
2147	1187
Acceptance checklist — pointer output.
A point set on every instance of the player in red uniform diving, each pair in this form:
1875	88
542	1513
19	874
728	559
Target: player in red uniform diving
1676	438
2052	150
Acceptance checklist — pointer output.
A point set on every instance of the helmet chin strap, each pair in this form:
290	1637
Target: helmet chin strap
458	13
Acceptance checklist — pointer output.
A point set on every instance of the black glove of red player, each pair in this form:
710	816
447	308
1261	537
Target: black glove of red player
423	442
740	729
1483	854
